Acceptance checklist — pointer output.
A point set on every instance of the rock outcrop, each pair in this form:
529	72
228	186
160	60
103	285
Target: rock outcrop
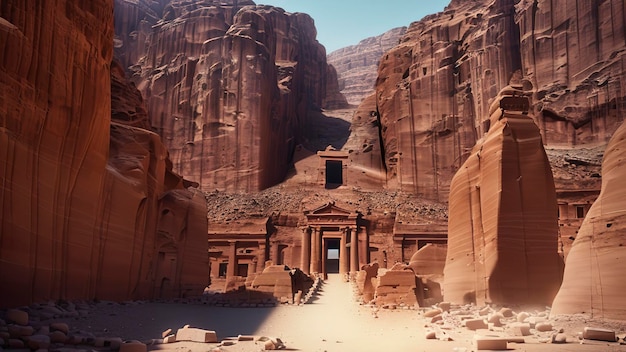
434	89
357	65
592	283
502	227
90	208
228	84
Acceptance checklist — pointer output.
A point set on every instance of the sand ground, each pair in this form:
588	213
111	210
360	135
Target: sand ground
332	322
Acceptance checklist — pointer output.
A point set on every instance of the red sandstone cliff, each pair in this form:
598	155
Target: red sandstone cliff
593	282
358	64
90	208
434	89
228	84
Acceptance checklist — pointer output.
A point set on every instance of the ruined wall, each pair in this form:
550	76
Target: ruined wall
592	282
434	89
77	224
228	87
502	228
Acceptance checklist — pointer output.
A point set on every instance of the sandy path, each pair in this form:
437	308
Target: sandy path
332	322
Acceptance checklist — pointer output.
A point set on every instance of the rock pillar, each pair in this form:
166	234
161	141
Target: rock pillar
343	257
232	260
354	250
305	262
316	251
275	256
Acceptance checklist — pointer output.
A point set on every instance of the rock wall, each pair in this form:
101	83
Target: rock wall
592	282
502	227
89	208
229	86
357	65
434	89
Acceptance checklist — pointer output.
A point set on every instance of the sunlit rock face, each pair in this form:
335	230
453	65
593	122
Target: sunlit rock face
358	64
89	208
593	282
434	89
228	85
502	227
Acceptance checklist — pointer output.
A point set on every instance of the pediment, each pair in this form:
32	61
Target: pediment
329	209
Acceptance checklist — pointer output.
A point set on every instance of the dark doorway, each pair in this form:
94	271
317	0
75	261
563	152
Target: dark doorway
332	255
242	270
334	172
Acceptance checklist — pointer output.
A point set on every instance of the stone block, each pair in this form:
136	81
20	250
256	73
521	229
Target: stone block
522	316
519	329
196	335
166	333
444	306
58	337
495	319
544	326
431	313
17	316
559	338
475	324
134	346
506	312
245	338
20	331
599	334
169	338
16	343
489	343
36	342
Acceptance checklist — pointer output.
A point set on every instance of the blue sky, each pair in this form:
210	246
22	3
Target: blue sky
341	23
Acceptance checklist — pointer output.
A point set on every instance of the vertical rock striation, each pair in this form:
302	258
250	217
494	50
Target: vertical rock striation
434	89
87	206
593	282
502	228
358	64
228	85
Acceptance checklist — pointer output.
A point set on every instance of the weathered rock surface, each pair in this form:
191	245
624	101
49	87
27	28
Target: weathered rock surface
357	65
592	282
229	86
502	229
434	89
89	208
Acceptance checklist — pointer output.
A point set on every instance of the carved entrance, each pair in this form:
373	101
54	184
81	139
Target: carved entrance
330	242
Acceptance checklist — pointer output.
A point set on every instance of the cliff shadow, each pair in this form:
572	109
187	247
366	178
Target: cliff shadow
326	128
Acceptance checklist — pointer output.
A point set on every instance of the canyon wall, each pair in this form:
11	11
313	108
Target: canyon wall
228	85
434	89
357	65
502	227
90	208
593	284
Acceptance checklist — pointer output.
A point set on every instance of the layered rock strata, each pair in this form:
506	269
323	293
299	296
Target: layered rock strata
357	65
592	282
90	209
434	89
229	85
502	228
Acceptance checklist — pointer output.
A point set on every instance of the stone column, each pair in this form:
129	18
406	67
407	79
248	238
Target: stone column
344	265
364	252
232	260
354	250
261	257
252	267
316	251
274	257
305	261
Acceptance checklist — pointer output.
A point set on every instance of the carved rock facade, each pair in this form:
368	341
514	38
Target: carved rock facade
90	208
228	85
593	284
